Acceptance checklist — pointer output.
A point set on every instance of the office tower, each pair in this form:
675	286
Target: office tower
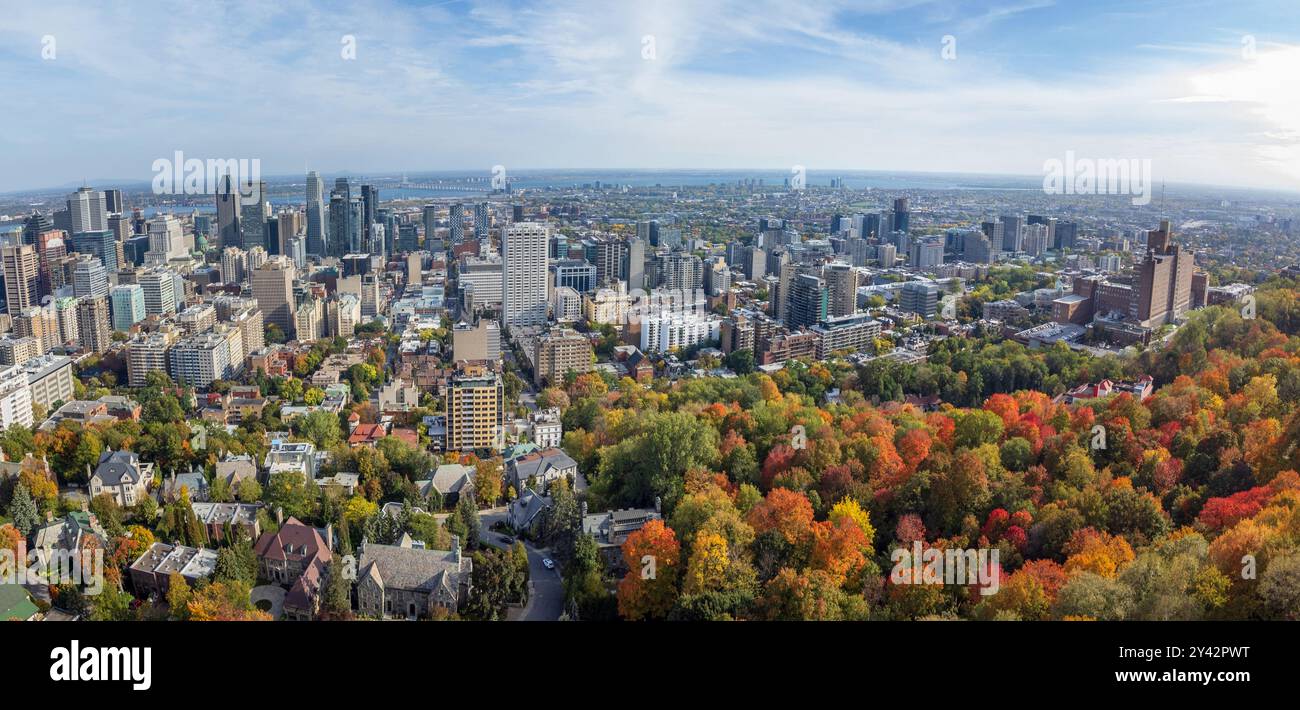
429	219
516	213
1065	236
166	240
369	213
809	301
290	225
481	277
370	304
100	244
128	306
523	282
474	406
456	222
93	323
228	210
159	291
633	268
20	265
1011	237
87	211
977	248
253	213
113	201
920	298
273	288
482	221
902	217
36	225
408	239
648	232
575	274
842	287
994	231
316	215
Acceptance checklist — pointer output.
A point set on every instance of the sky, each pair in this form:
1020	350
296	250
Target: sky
1207	90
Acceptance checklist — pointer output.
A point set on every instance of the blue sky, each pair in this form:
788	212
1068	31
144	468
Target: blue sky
1206	90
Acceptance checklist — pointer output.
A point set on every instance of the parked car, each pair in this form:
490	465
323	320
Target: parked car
548	564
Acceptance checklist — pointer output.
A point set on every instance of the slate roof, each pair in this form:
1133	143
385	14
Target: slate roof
115	465
452	477
413	568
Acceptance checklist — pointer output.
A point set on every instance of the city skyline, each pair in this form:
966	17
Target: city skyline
1203	94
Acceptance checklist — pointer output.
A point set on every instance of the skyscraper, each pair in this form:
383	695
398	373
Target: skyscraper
902	216
369	213
20	267
128	306
101	244
842	285
93	323
253	214
456	222
273	288
87	209
228	201
316	215
808	301
481	221
1011	232
159	291
523	250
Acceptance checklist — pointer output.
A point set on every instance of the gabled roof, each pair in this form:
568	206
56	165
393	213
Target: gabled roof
116	466
293	541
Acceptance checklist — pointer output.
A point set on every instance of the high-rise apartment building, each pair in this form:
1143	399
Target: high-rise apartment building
475	406
20	265
93	323
842	287
523	282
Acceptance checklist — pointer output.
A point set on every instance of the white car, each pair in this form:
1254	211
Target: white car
548	563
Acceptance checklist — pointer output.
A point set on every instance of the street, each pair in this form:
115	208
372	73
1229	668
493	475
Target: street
546	600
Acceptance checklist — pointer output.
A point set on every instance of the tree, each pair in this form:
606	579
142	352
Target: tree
487	482
22	510
291	492
741	361
337	604
321	427
178	596
649	589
